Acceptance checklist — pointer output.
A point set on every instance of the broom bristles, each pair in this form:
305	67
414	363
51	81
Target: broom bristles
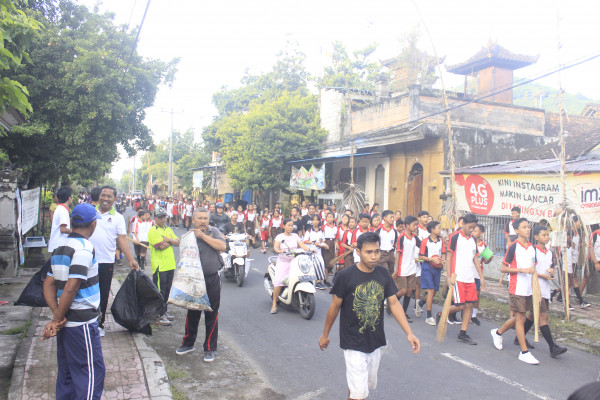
537	298
443	324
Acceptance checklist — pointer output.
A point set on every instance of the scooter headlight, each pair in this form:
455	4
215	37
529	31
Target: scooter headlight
304	264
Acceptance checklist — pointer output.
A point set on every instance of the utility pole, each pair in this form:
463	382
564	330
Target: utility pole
133	172
170	190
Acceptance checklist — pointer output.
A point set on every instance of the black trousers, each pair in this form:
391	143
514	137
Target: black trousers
105	274
211	319
163	281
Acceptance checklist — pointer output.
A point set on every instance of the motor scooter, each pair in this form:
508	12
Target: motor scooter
236	263
299	290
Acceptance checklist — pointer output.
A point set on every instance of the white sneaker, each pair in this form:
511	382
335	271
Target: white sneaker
528	358
101	332
418	310
497	339
430	321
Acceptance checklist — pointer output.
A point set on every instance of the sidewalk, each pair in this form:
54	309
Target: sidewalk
133	369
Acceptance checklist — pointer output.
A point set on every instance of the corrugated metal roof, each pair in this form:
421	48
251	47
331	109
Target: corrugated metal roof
551	166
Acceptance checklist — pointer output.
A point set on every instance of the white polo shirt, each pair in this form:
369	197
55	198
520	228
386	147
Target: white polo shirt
463	249
104	239
407	249
387	238
520	256
61	217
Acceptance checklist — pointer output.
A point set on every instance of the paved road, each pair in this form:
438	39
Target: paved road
285	348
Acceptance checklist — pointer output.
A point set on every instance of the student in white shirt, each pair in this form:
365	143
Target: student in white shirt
61	220
140	230
314	238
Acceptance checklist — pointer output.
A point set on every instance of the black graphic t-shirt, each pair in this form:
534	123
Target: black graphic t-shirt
361	315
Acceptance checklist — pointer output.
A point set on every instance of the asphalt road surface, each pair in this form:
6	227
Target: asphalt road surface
285	349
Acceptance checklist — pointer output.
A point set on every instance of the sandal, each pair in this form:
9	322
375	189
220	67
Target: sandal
274	310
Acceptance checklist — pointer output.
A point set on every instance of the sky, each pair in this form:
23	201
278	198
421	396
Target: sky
218	41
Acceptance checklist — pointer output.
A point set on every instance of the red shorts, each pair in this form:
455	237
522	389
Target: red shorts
465	293
264	236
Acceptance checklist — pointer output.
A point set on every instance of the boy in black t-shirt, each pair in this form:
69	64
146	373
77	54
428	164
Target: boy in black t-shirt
359	292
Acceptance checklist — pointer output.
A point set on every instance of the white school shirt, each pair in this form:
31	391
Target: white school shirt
387	238
189	209
264	223
276	222
250	216
303	211
545	261
241	217
329	231
314	236
142	228
170	209
104	239
520	256
61	217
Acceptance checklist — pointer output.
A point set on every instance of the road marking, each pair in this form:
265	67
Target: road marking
496	376
312	395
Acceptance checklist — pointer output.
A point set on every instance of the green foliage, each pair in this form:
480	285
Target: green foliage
85	105
529	96
17	33
418	65
356	72
258	124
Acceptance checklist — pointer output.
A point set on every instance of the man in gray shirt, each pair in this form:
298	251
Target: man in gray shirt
210	244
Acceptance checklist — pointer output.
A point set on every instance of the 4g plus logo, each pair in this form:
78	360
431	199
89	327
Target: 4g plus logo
479	194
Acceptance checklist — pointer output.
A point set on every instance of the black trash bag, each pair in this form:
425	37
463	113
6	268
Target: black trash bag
33	294
137	302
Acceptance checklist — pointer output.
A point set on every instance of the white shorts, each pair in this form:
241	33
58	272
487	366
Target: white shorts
361	372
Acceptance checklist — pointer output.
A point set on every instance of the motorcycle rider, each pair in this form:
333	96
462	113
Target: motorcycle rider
284	242
219	219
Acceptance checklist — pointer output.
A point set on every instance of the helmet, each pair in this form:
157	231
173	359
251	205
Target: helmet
219	205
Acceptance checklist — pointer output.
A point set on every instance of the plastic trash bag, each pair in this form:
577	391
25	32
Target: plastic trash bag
33	294
137	303
189	288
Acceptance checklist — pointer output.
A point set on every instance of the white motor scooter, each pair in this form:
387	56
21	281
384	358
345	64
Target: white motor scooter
236	263
299	292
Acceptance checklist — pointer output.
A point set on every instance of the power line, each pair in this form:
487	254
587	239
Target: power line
454	106
137	37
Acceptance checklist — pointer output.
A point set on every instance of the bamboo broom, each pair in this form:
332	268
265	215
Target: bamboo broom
136	242
338	258
443	324
537	298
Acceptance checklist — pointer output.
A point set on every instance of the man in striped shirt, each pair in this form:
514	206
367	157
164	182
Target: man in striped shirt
72	292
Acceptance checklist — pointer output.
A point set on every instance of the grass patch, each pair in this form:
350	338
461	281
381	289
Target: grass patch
173	373
178	394
21	329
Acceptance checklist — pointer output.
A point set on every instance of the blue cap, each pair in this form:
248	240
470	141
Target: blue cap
84	213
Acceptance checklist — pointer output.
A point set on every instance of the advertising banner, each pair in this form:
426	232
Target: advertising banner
30	206
537	195
311	179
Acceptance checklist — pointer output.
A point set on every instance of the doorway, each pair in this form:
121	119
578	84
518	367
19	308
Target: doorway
415	190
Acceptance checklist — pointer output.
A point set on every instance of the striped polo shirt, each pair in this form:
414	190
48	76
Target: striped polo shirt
75	258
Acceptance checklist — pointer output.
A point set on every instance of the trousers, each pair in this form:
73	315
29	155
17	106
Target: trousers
105	274
211	318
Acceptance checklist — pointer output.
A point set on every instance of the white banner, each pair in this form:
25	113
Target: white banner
30	207
198	178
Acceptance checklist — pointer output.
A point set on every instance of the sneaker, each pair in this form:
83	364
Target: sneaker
584	304
101	332
571	308
409	319
430	321
464	338
529	345
320	286
476	321
497	339
557	350
528	358
452	320
209	356
418	310
169	316
438	316
328	285
184	350
162	320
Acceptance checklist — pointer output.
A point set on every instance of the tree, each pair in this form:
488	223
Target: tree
87	98
256	145
357	73
270	120
17	33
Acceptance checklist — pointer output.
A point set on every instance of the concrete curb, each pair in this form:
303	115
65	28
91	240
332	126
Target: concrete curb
15	391
155	373
154	369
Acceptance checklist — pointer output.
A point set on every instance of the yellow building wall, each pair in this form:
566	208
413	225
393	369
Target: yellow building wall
430	154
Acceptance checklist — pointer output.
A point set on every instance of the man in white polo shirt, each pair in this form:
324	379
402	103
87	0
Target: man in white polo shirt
110	232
